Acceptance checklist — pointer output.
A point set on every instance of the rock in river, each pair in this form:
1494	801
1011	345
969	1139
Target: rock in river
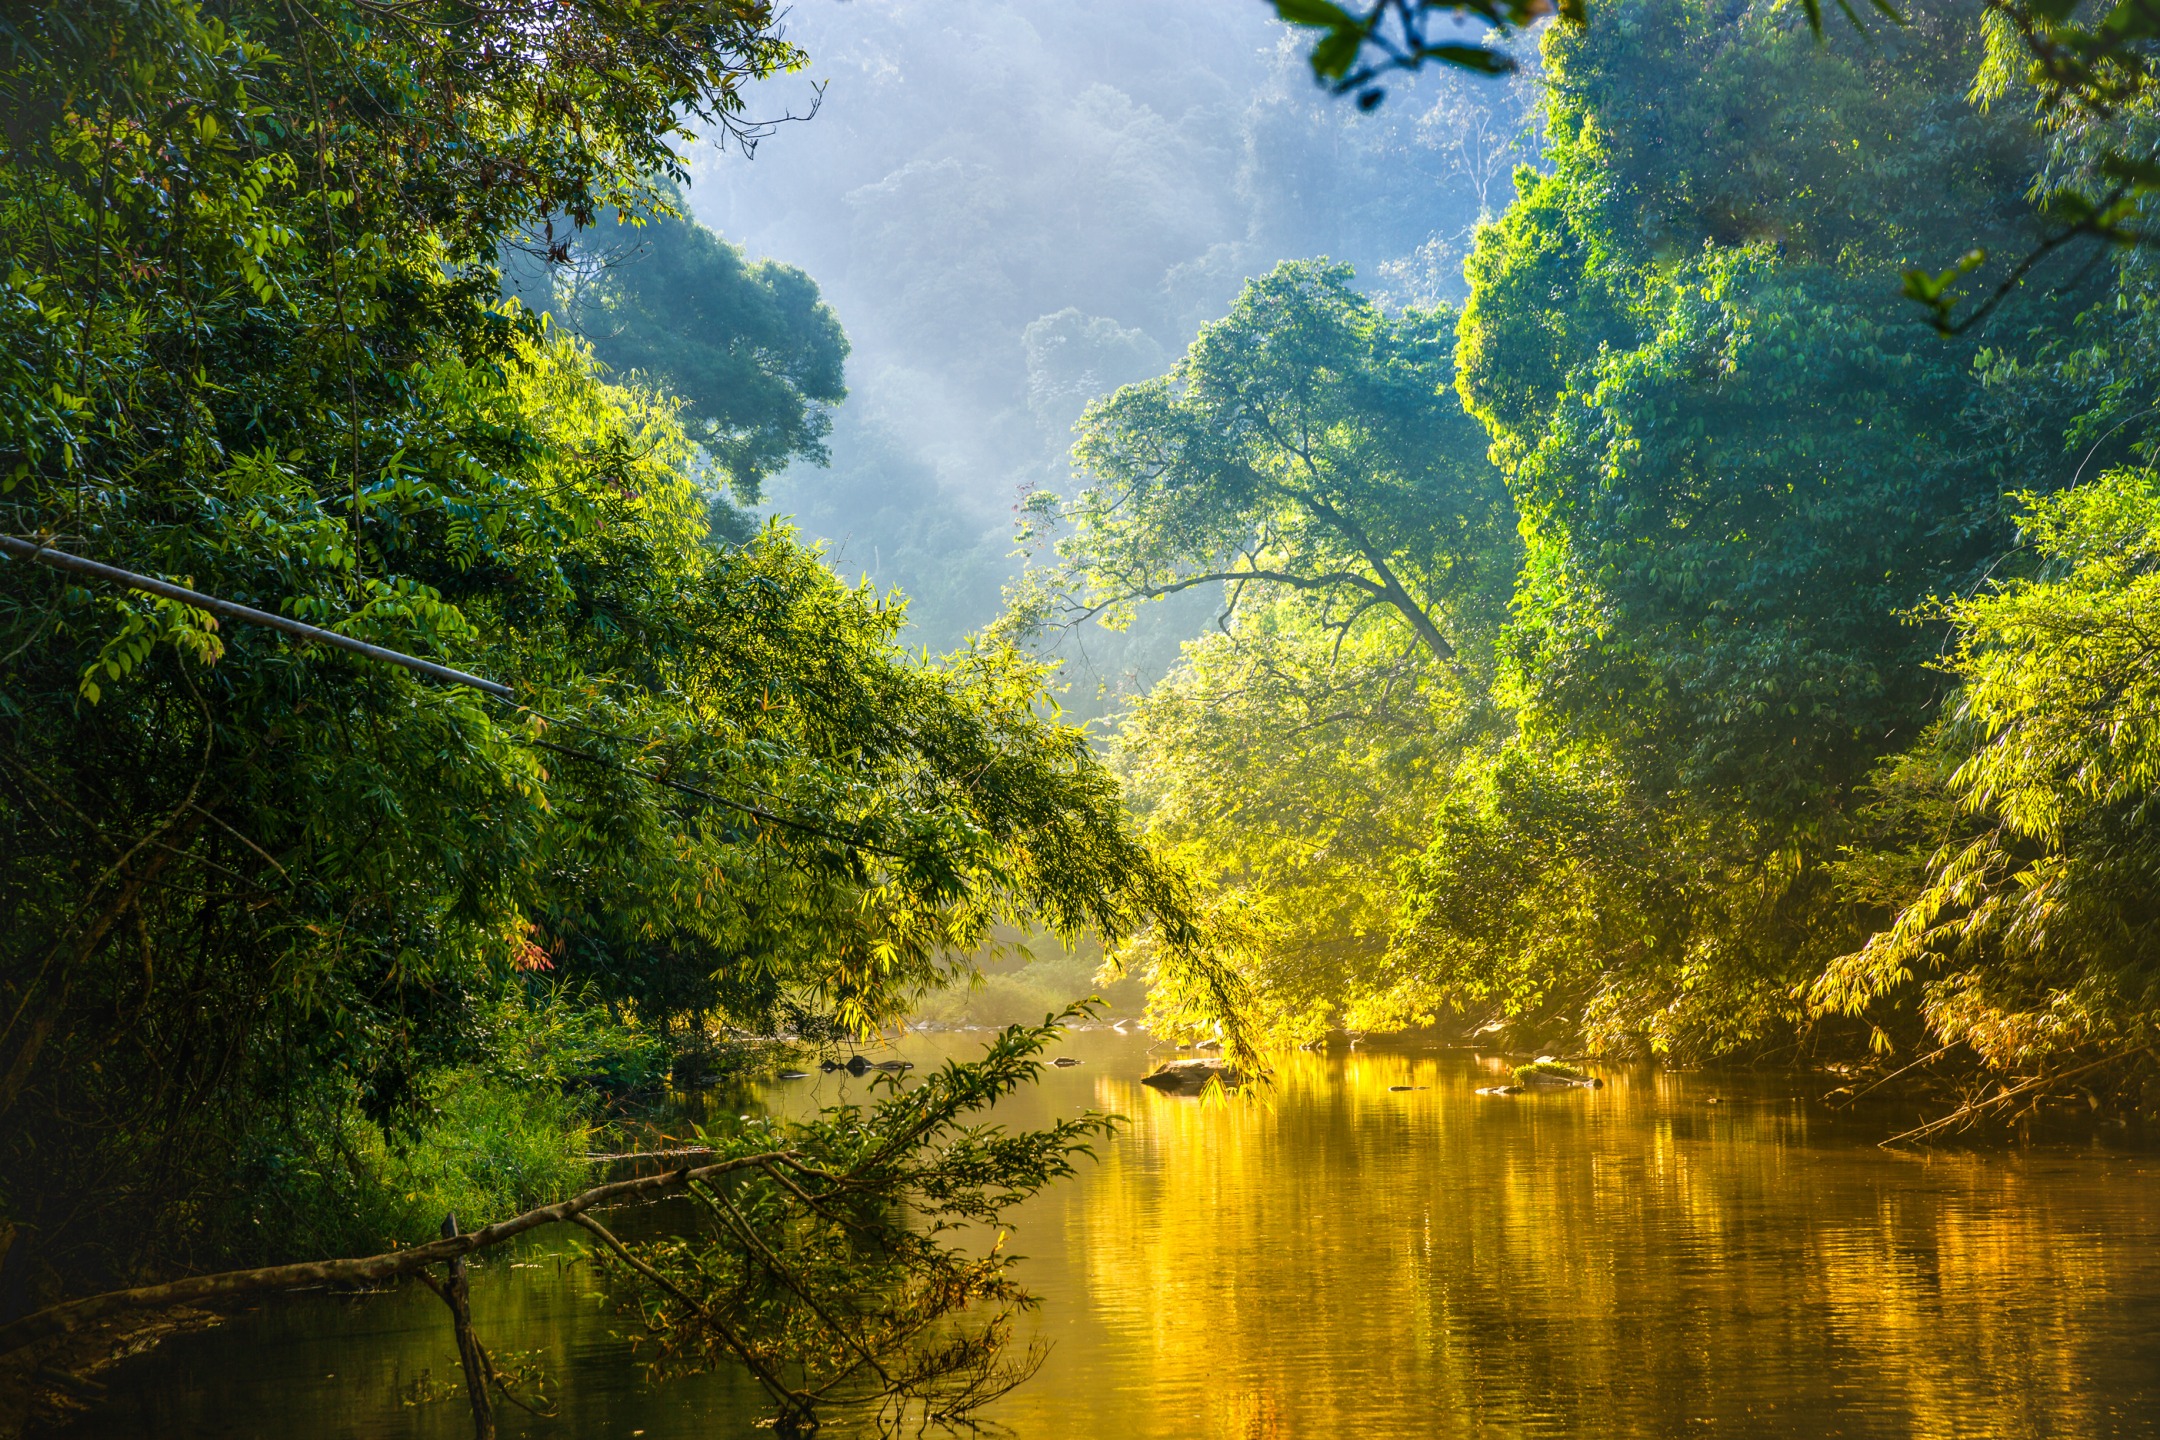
1065	1062
1190	1074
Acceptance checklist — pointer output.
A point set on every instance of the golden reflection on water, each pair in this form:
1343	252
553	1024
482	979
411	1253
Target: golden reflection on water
1338	1259
1347	1260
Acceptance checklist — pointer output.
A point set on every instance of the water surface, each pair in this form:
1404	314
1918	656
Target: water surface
1672	1255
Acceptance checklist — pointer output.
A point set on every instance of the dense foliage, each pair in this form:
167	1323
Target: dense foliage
1815	719
303	949
1306	442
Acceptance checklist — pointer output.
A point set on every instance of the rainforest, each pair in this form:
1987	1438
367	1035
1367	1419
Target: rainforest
865	719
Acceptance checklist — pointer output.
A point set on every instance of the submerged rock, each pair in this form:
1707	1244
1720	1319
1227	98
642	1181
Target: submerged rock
794	1074
1500	1090
1065	1062
1189	1074
1407	1087
893	1065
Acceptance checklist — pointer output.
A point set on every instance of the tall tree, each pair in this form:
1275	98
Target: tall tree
1305	441
753	351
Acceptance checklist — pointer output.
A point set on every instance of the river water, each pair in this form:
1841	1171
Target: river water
1672	1255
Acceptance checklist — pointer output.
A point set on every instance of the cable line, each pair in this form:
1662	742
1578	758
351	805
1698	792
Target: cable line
62	560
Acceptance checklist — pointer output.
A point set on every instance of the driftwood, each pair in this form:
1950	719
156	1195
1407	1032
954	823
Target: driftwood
2030	1090
58	1320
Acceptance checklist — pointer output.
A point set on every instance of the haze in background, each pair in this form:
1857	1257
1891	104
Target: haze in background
1017	205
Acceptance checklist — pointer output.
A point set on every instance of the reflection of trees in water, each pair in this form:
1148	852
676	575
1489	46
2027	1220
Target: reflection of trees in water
1629	1262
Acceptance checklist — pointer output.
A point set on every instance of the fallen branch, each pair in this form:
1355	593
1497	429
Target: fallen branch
1971	1110
1882	1080
793	1400
373	1269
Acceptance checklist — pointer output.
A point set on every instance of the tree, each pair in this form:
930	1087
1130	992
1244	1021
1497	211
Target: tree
1736	469
1305	441
2032	937
753	351
1739	471
2086	74
1287	766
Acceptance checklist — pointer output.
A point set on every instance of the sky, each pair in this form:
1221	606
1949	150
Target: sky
1017	205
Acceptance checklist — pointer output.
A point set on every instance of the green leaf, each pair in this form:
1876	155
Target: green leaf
2144	174
1472	57
2131	20
1321	13
1335	53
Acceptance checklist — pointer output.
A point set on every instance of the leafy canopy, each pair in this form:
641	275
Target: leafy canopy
1305	441
754	353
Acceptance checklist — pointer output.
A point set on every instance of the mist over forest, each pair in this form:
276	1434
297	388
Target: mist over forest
1015	208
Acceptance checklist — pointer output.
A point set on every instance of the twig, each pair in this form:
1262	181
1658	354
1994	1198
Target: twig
772	1383
1923	1060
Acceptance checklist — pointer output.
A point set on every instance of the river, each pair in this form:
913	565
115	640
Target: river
1675	1254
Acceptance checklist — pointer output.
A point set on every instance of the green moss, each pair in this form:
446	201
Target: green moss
1547	1070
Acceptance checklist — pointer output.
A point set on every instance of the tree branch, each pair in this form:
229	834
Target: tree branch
61	1319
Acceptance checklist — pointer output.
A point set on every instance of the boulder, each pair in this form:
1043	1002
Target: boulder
1189	1074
